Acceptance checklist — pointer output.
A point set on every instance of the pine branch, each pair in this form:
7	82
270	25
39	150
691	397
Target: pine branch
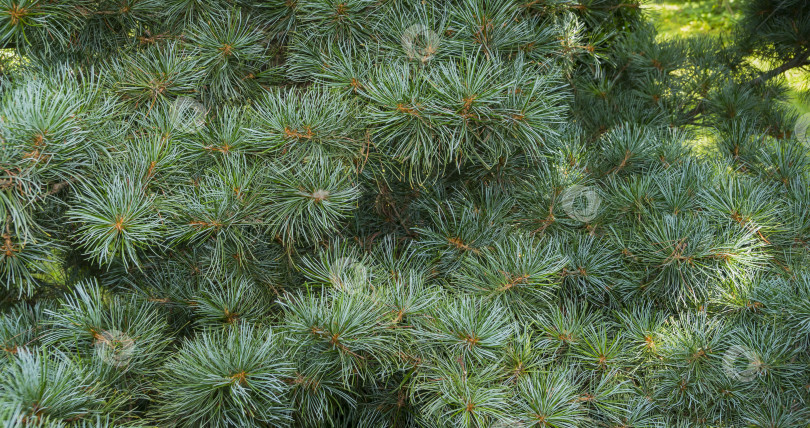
800	59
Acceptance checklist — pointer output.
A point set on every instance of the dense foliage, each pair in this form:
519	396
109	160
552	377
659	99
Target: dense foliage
466	213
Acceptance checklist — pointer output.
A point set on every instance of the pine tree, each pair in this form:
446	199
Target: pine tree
467	213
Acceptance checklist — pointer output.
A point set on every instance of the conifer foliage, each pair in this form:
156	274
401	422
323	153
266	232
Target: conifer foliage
391	213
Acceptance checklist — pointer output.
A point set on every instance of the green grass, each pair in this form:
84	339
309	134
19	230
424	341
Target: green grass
684	18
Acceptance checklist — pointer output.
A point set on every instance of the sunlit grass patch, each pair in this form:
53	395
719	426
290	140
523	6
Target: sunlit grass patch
686	18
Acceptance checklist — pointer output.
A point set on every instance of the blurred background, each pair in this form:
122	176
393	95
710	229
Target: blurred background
684	18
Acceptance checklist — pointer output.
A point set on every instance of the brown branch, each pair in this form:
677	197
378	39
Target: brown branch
801	59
